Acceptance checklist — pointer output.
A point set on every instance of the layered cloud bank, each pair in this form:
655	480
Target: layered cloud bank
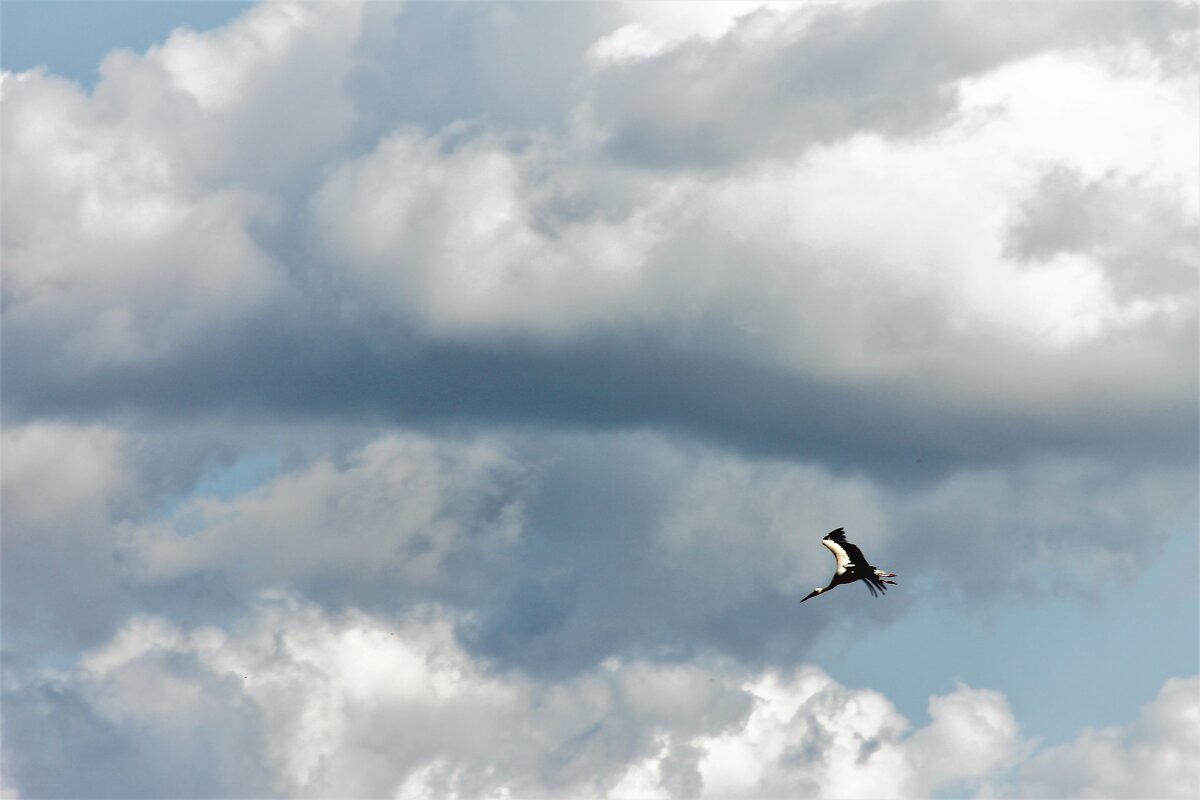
445	399
953	250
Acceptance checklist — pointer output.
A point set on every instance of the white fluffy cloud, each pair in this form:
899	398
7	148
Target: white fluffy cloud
775	81
353	705
350	704
1155	756
133	214
867	261
443	232
811	737
145	215
109	252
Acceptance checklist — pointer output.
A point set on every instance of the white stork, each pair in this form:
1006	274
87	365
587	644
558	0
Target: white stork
852	566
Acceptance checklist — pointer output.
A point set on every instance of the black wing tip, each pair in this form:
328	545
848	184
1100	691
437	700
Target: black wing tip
838	535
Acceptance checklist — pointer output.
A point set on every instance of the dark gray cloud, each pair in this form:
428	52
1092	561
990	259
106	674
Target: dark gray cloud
1148	245
718	548
563	550
880	427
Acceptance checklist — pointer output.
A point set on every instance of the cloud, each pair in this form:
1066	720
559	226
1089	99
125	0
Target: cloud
1151	757
134	215
70	491
780	81
351	704
1047	525
348	704
514	67
859	300
1143	237
441	233
557	340
406	517
93	212
813	737
220	95
548	539
60	485
541	540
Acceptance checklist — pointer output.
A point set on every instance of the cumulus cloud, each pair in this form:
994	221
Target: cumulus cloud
560	337
809	736
1154	756
779	81
349	704
135	215
396	251
107	254
443	233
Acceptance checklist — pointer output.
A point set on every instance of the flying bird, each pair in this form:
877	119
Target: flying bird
852	566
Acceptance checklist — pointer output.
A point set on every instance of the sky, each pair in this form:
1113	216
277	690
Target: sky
449	399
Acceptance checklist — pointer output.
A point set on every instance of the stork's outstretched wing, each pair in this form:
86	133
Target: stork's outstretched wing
851	560
836	541
856	556
838	535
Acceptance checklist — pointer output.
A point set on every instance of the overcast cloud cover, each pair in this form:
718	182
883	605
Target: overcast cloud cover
440	400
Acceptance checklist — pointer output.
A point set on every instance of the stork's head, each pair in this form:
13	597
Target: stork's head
814	593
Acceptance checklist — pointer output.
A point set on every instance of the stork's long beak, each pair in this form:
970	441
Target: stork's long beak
812	594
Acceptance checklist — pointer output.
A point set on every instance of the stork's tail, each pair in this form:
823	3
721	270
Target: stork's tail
883	576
